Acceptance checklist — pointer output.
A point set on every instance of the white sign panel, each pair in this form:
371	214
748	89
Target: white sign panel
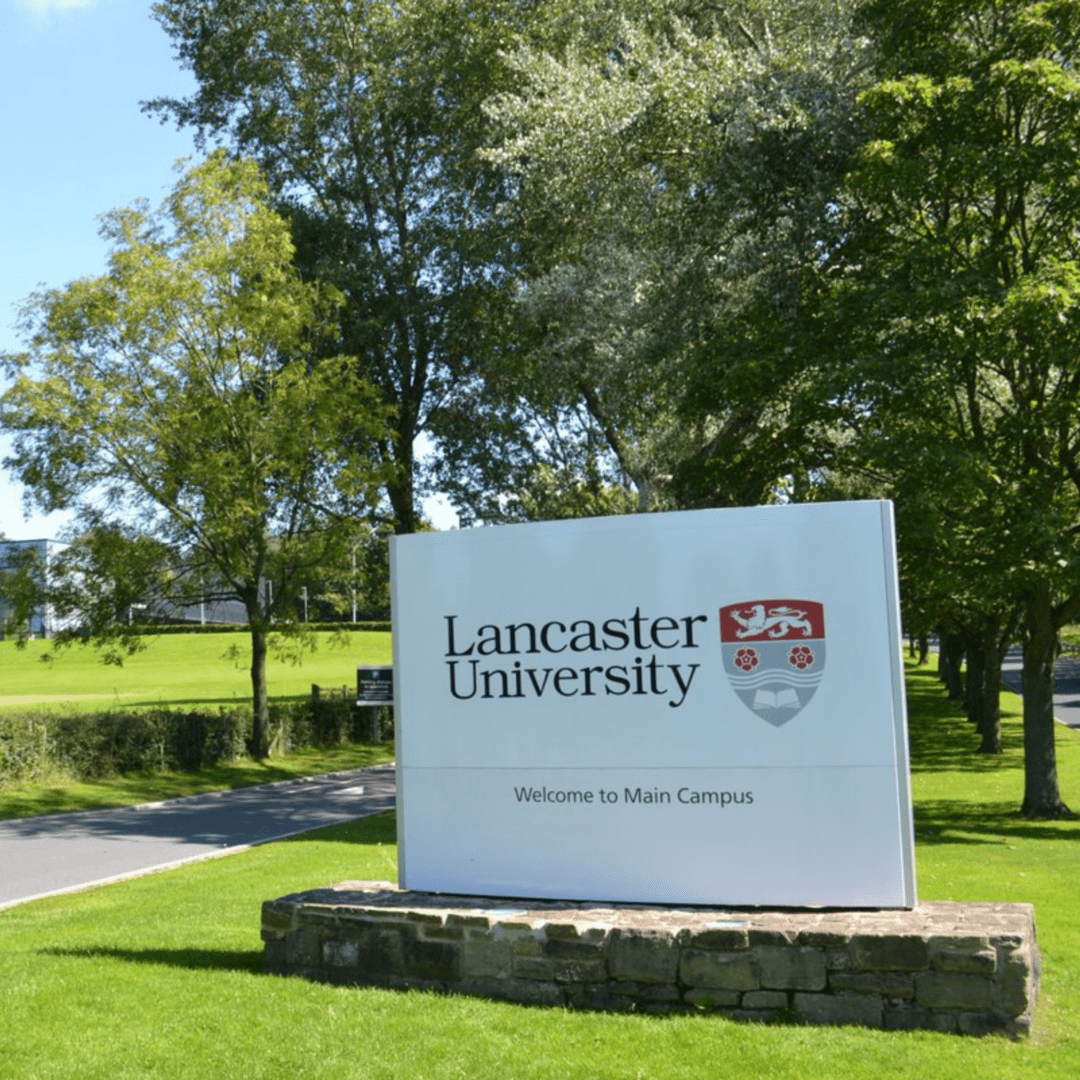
699	708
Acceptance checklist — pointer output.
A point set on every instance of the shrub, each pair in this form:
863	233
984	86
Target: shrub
88	745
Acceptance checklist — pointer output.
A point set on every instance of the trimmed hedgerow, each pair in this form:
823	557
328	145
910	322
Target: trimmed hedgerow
90	745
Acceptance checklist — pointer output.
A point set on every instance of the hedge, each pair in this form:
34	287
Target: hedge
91	745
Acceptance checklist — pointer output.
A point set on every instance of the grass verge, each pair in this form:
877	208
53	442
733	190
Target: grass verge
179	669
61	793
160	976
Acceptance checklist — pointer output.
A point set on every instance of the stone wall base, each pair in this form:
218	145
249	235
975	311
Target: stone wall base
968	968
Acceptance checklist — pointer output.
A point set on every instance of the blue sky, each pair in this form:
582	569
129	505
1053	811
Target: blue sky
75	145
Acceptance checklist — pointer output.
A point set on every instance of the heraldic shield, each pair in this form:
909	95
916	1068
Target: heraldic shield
774	654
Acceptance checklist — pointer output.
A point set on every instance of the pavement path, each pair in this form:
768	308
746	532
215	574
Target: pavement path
1066	684
55	853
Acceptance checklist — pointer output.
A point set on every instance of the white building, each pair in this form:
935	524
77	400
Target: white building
13	556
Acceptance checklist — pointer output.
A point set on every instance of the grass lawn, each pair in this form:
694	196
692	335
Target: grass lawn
161	976
178	669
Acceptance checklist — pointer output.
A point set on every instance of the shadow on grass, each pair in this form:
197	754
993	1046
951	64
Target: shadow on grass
943	740
250	961
954	821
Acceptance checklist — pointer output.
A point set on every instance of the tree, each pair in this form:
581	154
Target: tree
676	167
174	404
959	288
364	115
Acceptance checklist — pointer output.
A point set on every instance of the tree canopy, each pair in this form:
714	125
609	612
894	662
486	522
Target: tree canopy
958	295
175	405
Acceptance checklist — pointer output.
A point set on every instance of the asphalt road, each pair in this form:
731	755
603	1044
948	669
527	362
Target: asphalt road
58	853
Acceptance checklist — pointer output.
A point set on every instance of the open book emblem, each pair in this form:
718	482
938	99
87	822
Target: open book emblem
774	654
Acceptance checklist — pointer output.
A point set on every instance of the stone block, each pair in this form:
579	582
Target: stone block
276	921
427	918
580	971
1014	985
561	932
823	939
438	960
770	937
340	954
765	999
303	948
981	1023
889	984
442	932
380	952
600	999
865	1009
952	990
572	948
908	1017
526	945
479	921
643	956
723	939
751	1016
889	952
717	970
274	961
534	967
791	968
837	959
971	962
484	958
525	991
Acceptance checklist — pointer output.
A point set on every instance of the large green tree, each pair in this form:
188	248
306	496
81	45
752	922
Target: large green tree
174	404
959	288
676	169
364	115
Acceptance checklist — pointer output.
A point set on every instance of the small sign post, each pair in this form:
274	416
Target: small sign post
374	689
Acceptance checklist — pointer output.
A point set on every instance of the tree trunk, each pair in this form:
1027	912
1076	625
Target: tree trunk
988	707
401	488
975	649
260	706
1042	799
950	660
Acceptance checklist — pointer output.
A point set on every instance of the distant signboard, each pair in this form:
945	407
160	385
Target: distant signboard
374	684
701	707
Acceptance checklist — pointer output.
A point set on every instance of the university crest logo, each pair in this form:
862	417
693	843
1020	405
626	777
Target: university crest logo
774	654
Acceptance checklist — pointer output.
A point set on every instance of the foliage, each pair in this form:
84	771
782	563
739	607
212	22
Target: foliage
91	745
676	167
957	287
363	116
174	405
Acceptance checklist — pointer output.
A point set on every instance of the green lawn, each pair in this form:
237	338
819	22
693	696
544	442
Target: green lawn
160	976
177	669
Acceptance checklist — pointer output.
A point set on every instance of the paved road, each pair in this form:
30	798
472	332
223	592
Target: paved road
1066	684
56	853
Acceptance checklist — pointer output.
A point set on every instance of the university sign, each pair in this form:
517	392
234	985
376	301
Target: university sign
644	709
